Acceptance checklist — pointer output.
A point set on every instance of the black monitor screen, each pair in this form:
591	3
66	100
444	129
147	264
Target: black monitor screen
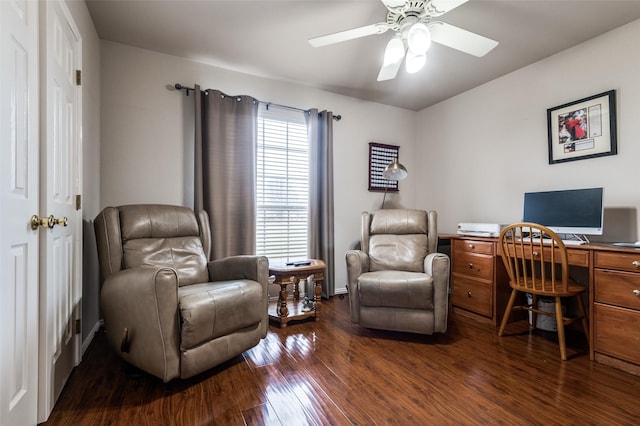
577	211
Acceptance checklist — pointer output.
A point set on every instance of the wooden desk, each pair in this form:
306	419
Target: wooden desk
480	289
285	309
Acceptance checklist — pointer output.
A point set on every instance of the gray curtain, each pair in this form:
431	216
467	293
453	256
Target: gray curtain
225	158
321	239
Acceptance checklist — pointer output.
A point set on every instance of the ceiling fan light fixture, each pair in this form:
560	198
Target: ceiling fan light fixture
414	63
419	38
394	51
414	26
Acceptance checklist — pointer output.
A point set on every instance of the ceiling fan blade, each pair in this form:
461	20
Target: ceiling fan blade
338	37
394	3
389	72
459	39
440	7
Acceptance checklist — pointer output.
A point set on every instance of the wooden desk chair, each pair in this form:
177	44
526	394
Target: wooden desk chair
535	268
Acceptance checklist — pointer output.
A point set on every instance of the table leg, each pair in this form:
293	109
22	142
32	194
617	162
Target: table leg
283	311
317	299
296	288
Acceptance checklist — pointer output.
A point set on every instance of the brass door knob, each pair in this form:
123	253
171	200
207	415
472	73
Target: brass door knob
37	221
48	222
60	221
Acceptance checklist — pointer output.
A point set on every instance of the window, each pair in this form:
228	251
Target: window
282	184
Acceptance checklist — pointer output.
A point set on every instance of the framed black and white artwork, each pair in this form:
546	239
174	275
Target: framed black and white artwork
380	156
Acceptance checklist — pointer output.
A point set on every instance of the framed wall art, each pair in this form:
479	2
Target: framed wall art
380	156
582	129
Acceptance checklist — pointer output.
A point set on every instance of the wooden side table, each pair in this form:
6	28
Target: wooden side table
285	309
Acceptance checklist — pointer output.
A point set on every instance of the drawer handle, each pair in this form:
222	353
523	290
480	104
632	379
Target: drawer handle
468	294
535	254
470	265
636	263
471	246
636	292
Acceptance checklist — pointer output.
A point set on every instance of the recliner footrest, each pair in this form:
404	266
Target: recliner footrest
211	310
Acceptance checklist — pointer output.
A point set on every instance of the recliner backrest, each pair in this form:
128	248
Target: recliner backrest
398	239
153	235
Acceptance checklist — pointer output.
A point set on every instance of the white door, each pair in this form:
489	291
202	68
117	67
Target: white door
60	246
19	192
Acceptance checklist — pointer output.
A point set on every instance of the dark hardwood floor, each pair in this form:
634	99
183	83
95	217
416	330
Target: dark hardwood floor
335	372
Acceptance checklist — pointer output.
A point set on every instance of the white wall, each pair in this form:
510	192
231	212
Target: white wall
146	146
486	147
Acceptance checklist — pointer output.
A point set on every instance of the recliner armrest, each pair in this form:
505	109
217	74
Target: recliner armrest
144	300
243	267
437	265
357	264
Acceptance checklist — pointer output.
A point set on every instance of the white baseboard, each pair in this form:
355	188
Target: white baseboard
92	333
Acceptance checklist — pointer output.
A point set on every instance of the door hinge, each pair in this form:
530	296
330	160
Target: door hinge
78	326
78	202
78	77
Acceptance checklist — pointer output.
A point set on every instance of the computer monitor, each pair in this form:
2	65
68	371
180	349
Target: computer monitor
574	211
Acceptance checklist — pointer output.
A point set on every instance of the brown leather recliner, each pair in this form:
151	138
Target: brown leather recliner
168	310
397	281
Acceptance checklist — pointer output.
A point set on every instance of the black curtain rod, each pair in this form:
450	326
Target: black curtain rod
267	104
179	86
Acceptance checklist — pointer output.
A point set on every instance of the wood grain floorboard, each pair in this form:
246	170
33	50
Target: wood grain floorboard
333	372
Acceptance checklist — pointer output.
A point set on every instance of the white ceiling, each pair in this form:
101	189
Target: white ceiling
269	39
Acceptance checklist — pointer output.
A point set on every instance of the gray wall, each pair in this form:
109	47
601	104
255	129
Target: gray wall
470	157
147	135
488	146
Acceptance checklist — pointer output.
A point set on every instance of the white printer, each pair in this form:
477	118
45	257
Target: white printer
480	229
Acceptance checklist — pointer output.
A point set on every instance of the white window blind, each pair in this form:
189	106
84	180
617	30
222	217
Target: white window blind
282	184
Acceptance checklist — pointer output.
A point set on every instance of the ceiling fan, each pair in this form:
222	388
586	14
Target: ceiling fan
414	27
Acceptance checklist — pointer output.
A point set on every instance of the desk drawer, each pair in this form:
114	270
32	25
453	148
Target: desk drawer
617	288
575	257
578	257
621	261
475	265
472	246
617	332
472	295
